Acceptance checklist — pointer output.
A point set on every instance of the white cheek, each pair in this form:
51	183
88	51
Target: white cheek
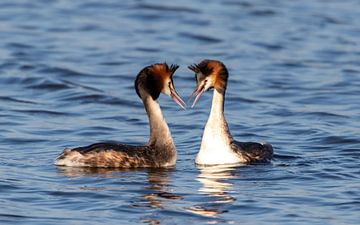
210	83
207	86
166	89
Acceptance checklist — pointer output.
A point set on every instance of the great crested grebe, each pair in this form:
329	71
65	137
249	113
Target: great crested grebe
160	150
217	145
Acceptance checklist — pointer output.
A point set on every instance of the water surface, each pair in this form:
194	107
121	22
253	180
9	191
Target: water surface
66	79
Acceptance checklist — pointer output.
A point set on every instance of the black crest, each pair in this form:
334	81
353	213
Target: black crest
172	68
149	78
202	67
207	67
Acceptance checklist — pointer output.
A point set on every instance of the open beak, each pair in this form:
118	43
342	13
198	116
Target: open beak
176	98
197	93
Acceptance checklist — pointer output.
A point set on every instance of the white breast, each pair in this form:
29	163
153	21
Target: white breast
215	148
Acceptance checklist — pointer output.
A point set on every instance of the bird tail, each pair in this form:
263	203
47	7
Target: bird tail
70	158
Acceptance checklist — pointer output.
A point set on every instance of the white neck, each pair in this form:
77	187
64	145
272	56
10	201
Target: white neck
159	131
215	145
216	119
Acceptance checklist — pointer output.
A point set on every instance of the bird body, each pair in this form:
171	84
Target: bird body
160	151
217	144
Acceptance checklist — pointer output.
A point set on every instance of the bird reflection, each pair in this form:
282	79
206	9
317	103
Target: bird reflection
159	190
216	184
155	193
91	171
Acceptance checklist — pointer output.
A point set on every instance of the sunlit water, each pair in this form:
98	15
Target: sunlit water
66	79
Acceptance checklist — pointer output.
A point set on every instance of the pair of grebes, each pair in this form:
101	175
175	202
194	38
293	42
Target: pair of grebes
217	145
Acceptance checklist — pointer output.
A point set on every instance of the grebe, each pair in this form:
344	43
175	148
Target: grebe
217	145
160	150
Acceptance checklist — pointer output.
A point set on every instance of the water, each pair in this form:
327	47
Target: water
66	79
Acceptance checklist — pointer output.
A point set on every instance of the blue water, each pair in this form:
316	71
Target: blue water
66	79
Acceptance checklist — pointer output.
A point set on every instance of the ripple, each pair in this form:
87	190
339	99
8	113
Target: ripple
271	47
263	12
329	19
350	151
352	71
20	140
8	65
43	112
77	84
245	4
291	64
340	140
167	8
285	157
27	67
49	85
19	46
64	72
325	115
12	99
83	98
198	37
10	217
143	49
242	99
114	63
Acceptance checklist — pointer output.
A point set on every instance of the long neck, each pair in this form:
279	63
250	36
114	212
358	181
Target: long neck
159	131
216	118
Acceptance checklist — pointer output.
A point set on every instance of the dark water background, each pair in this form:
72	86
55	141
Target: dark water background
66	79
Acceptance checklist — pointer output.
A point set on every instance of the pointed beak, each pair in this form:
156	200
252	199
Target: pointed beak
176	98
197	93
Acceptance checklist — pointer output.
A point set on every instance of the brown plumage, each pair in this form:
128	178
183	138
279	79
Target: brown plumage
118	155
160	150
218	145
213	69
